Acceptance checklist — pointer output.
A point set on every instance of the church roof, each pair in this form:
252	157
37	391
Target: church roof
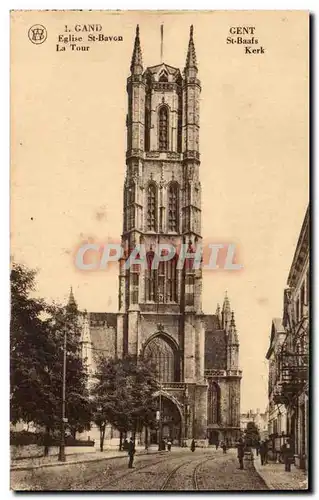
215	350
211	322
103	333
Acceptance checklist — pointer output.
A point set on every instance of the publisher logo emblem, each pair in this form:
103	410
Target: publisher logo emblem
37	34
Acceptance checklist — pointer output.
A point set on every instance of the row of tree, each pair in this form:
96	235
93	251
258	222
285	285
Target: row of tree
122	393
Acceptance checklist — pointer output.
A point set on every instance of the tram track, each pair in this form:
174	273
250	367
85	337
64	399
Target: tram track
195	472
118	477
194	476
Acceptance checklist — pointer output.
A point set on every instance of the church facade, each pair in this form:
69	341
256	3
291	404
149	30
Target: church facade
160	312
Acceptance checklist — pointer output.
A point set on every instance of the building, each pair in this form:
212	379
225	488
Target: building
260	419
290	374
160	311
277	425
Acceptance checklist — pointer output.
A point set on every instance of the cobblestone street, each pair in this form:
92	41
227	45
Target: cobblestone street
179	470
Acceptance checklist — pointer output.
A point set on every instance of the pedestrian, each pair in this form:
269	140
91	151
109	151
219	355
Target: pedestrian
169	445
240	453
257	448
193	445
131	453
217	444
287	454
262	451
224	447
266	452
125	445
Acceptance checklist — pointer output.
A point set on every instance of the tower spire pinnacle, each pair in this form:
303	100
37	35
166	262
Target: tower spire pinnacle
233	336
137	63
226	304
191	62
72	305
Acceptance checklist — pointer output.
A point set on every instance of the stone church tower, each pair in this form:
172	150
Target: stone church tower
160	311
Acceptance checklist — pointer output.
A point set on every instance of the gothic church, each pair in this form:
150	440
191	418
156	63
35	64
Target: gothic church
160	312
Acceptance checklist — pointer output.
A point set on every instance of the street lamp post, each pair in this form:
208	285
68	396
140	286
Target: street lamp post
63	419
160	422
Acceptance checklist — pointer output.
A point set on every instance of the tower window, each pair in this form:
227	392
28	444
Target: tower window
173	207
163	77
151	207
163	129
171	280
147	129
213	403
130	207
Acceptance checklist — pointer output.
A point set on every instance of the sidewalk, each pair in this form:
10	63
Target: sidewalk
276	478
50	461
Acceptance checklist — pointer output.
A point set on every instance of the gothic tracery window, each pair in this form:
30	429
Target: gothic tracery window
163	357
163	129
173	207
213	403
171	280
129	201
151	207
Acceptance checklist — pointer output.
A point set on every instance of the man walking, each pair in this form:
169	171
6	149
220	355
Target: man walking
240	453
131	453
262	452
193	445
287	454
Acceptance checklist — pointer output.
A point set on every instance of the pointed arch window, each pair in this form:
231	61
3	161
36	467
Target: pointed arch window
130	207
163	129
151	207
163	77
213	403
171	280
173	207
162	355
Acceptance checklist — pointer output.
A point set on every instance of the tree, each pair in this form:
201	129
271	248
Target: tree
32	350
124	395
252	436
36	337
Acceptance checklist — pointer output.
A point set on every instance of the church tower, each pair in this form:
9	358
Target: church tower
160	310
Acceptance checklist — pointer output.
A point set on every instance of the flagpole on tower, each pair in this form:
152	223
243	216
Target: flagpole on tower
162	37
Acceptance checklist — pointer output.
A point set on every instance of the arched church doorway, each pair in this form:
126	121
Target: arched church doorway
169	425
213	437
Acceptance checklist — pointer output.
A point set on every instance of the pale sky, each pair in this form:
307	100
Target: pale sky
68	156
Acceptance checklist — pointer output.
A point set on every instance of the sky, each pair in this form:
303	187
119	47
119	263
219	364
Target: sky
68	143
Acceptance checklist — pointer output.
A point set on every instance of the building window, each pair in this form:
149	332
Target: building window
130	207
151	207
134	287
163	77
171	280
189	290
173	207
147	129
162	355
163	129
213	403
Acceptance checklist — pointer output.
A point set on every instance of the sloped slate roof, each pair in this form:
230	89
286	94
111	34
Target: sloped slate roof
103	333
215	350
211	322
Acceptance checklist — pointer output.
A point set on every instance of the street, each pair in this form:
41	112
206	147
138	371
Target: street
180	469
